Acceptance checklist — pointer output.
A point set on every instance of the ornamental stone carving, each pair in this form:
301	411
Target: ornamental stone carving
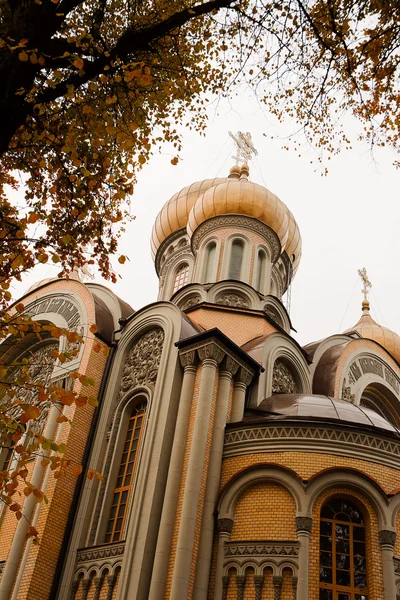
277	583
40	369
192	301
387	537
303	524
260	548
283	381
346	392
143	361
233	300
225	525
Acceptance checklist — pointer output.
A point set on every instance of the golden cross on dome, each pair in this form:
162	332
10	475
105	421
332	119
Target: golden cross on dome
366	282
244	147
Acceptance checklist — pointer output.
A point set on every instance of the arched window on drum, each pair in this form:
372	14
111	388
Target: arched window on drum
343	562
209	262
236	259
126	474
181	277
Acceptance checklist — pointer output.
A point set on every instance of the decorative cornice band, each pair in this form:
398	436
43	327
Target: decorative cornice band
261	548
312	438
97	553
238	221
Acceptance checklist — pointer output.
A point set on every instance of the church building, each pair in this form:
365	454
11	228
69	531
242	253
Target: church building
237	464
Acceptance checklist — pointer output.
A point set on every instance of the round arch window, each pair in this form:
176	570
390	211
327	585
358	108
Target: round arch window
343	563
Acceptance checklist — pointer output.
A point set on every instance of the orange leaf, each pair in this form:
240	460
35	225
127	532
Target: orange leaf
78	63
77	470
122	259
33	217
23	56
93	328
175	160
20	307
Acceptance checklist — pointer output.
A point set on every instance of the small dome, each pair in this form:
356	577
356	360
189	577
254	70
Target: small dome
371	330
174	214
304	406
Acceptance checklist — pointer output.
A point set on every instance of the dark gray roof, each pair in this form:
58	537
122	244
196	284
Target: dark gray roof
303	406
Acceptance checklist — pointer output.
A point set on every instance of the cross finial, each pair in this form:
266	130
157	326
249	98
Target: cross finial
366	282
244	147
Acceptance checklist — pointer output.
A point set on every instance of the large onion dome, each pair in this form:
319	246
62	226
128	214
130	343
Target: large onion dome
236	195
371	330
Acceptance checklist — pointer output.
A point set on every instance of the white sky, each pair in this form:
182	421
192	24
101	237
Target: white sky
348	219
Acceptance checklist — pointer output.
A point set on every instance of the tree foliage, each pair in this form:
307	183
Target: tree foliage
91	88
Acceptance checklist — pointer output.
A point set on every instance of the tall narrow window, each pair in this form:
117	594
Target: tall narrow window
209	262
181	277
260	272
343	565
126	472
235	263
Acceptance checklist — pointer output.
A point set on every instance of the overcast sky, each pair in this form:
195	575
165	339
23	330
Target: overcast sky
348	219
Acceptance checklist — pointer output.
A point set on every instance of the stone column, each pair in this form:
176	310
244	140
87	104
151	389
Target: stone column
387	540
18	543
303	526
210	356
258	584
162	555
277	583
225	585
294	587
240	583
224	533
243	379
213	477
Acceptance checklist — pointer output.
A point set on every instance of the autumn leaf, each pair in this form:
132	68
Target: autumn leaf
78	63
23	56
76	470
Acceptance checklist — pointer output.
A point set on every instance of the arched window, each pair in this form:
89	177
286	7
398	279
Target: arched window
181	277
260	270
343	564
125	475
236	259
211	251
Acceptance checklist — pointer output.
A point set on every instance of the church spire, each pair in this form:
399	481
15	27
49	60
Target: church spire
365	289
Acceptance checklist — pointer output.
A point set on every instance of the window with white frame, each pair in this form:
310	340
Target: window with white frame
181	277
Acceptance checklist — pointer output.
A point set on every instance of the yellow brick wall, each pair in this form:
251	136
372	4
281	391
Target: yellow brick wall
41	564
265	511
239	327
306	465
397	546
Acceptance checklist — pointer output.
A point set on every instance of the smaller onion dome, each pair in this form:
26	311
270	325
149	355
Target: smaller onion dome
174	214
371	330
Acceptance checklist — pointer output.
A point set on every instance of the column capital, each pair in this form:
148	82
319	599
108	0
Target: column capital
211	351
225	525
188	359
387	537
243	376
230	365
303	524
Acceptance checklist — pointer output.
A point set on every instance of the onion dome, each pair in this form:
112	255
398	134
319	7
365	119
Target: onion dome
174	214
228	195
371	330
